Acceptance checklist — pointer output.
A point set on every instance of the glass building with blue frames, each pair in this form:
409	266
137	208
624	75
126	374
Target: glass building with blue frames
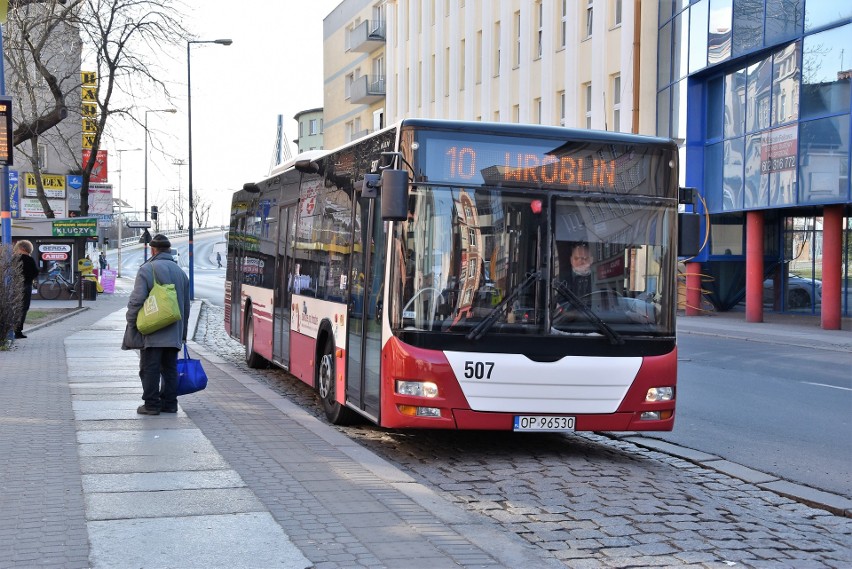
757	92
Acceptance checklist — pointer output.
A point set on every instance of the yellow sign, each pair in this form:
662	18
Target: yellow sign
90	125
90	110
89	140
89	94
88	78
52	181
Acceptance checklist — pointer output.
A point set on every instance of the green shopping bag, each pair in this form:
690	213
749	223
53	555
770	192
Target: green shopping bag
160	309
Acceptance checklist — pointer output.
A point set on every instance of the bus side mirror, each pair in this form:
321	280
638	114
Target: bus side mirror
251	188
394	195
688	234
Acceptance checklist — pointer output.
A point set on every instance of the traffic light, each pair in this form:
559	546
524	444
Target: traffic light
154	212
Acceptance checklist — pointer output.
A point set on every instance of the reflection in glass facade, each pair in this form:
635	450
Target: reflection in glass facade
771	128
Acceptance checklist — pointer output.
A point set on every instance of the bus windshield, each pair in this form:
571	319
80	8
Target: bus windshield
498	261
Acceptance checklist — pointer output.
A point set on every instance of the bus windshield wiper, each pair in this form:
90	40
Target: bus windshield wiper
480	329
605	329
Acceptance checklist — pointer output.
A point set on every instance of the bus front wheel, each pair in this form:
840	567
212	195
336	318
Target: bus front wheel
336	413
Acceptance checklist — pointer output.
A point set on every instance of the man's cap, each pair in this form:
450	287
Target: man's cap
160	241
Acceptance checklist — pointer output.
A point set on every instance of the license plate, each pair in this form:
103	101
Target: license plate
543	423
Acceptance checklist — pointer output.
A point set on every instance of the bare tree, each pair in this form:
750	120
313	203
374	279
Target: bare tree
177	211
42	56
201	209
125	38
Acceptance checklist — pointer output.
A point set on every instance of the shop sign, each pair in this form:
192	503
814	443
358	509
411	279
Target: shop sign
76	227
54	256
54	185
53	248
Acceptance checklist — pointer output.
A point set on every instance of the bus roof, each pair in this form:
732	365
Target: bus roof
496	128
535	131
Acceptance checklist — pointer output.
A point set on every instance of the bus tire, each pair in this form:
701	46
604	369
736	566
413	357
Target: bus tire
336	413
253	359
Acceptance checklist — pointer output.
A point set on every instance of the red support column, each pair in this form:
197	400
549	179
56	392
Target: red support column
832	239
693	289
754	266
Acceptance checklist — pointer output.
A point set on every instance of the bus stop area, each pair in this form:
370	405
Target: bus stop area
242	477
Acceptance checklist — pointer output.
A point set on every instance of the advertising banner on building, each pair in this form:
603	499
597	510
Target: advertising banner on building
99	170
53	184
14	194
31	207
100	199
76	227
778	150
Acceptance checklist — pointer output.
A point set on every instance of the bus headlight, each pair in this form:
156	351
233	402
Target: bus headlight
416	388
660	394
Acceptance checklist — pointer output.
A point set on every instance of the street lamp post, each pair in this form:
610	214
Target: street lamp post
120	220
145	247
189	158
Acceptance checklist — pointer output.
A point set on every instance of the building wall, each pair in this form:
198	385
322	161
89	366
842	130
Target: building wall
760	91
311	125
442	61
345	119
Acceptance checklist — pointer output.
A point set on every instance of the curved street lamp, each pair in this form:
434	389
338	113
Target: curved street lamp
189	157
145	247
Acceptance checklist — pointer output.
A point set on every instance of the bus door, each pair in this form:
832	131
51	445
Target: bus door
364	343
283	285
233	273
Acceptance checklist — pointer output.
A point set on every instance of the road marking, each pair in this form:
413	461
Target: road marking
826	385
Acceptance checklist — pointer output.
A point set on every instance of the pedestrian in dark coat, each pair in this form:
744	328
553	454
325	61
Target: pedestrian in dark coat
27	272
158	350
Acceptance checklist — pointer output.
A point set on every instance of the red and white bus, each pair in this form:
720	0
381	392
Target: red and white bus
421	277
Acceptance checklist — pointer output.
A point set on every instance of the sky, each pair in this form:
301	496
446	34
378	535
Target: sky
274	66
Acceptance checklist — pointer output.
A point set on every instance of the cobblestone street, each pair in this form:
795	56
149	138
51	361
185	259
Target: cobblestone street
588	500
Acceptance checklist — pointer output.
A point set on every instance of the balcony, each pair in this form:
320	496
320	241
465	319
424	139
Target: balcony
367	89
367	36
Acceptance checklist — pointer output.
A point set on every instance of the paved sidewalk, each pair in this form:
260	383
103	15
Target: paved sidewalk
89	483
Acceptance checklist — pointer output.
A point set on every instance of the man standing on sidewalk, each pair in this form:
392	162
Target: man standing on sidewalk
158	350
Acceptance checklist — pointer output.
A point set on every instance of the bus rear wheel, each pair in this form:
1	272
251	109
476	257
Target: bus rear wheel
336	413
253	359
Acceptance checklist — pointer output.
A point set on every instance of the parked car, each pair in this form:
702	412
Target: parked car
800	291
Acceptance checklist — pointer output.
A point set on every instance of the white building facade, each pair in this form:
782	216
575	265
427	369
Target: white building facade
556	62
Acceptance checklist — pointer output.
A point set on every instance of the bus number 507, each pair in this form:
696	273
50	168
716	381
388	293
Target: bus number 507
478	370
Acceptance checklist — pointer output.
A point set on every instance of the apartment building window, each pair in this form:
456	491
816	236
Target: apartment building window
589	15
516	53
301	129
378	69
349	130
347	40
419	85
616	102
537	106
478	58
563	29
562	103
496	49
539	10
312	127
431	80
587	88
461	66
379	15
516	113
447	72
347	90
616	13
321	127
